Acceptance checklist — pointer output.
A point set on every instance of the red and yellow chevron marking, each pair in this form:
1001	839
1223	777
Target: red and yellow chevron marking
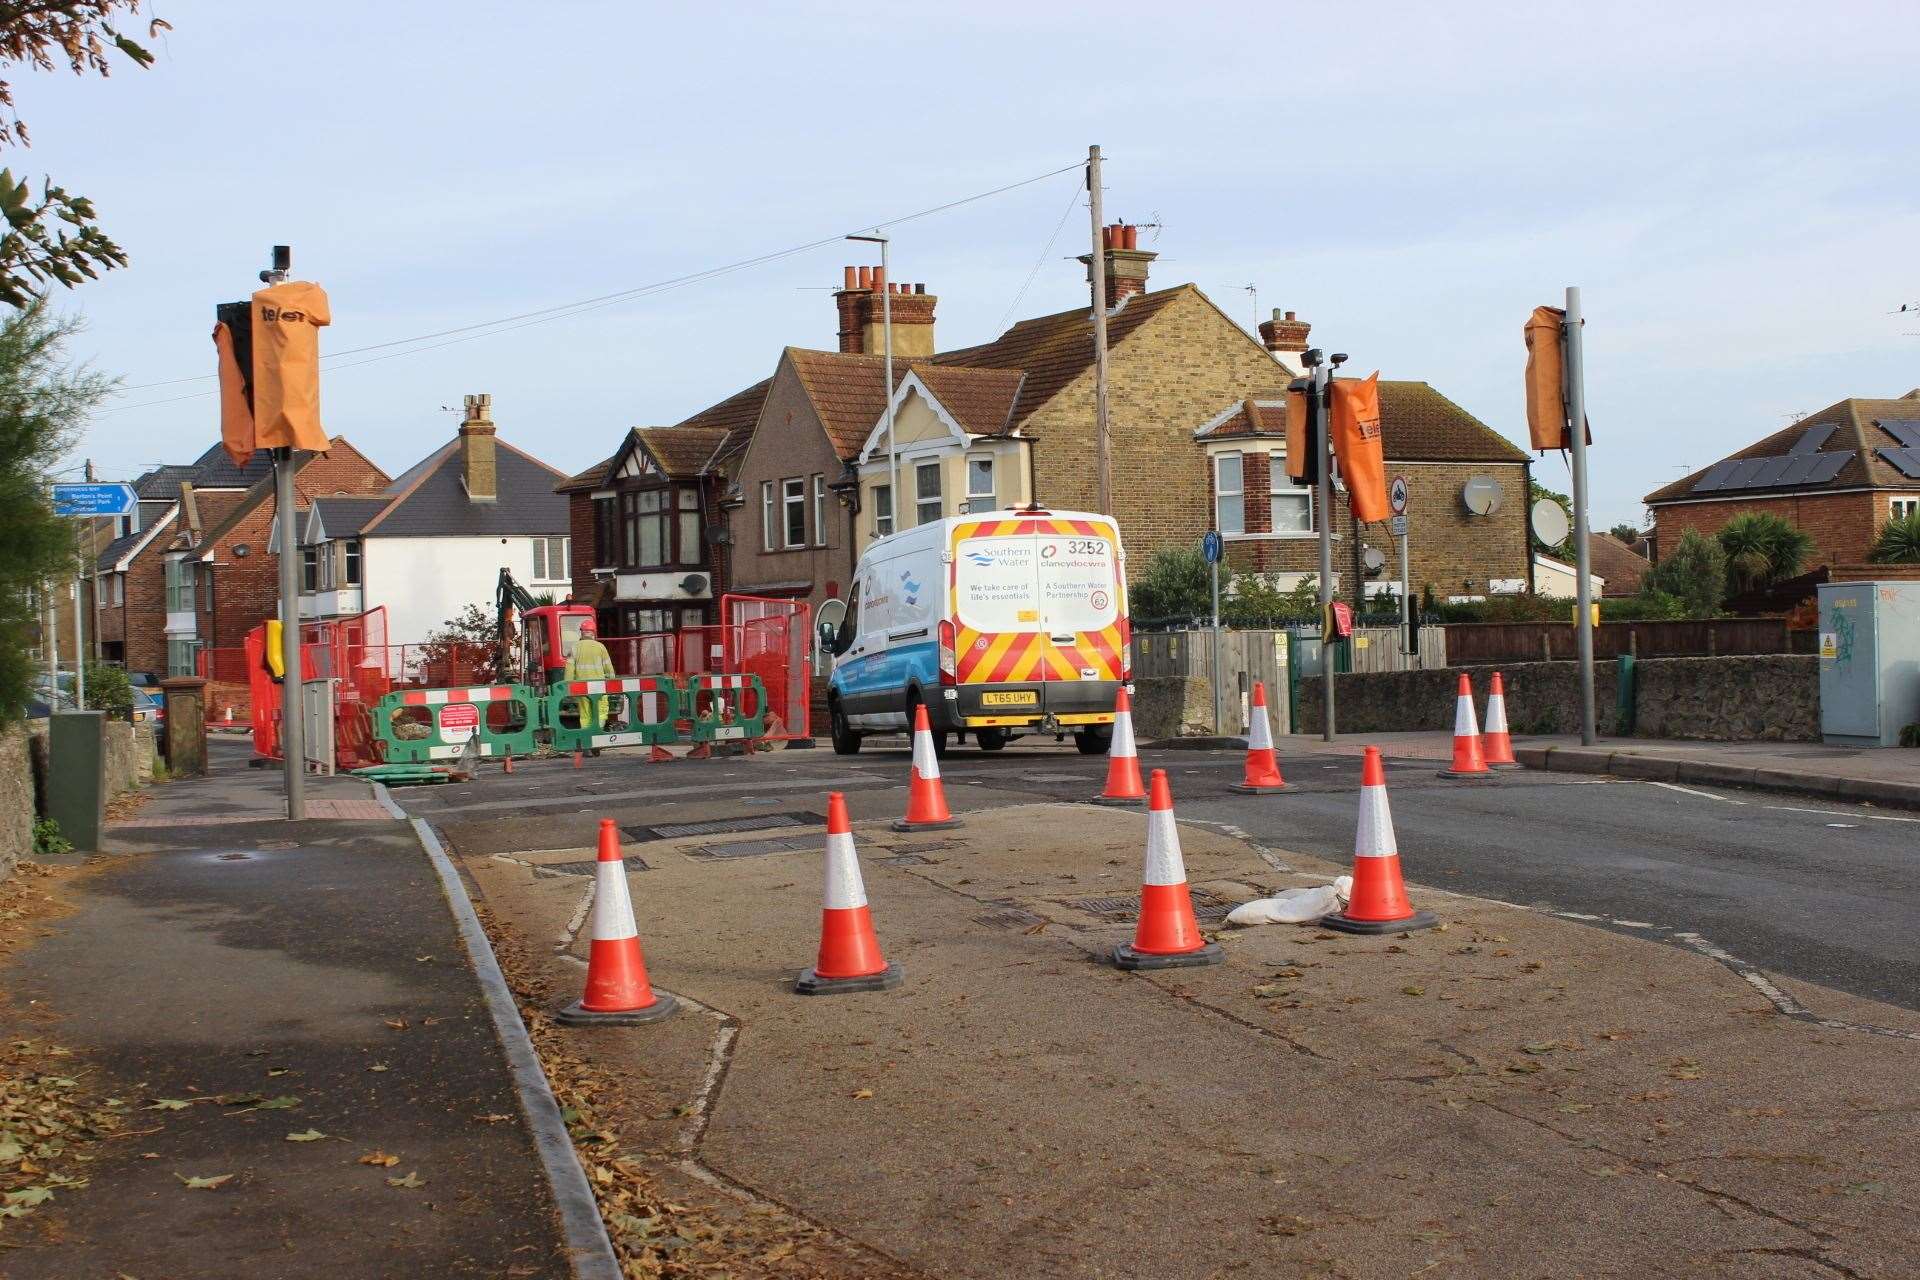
999	657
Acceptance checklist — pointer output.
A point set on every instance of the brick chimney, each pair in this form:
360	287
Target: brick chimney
1286	338
863	312
478	464
1126	262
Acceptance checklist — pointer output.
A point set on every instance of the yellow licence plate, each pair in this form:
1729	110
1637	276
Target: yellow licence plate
1024	698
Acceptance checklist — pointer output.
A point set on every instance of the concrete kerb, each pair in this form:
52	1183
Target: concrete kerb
591	1251
1656	768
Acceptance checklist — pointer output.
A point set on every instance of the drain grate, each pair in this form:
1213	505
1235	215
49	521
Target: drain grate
583	868
905	860
1015	919
756	848
724	826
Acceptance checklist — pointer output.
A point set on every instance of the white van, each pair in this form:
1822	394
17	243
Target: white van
1000	623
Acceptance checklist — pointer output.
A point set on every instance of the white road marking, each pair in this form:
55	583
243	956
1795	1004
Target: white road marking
1842	813
1704	795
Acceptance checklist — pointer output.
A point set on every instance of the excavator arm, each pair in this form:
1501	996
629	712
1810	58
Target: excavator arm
509	597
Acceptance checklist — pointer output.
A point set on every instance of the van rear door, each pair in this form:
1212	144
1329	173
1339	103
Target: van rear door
996	605
1081	598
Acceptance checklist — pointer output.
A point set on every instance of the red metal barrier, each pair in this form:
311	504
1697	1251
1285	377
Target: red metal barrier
773	639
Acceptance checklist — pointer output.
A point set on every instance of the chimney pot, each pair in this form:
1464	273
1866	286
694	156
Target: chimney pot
919	288
1130	236
853	278
866	277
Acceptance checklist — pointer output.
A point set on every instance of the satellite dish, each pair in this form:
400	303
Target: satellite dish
1373	558
1549	521
693	584
1482	495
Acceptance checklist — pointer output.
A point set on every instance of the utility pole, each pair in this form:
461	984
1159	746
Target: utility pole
1320	440
1102	442
1575	365
886	345
93	566
292	682
79	625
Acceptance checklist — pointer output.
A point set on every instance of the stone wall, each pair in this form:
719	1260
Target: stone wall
1172	707
16	799
1760	698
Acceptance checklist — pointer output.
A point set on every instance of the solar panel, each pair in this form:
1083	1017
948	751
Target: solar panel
1742	473
1800	466
1829	466
1771	469
1908	460
1905	430
1716	474
1812	438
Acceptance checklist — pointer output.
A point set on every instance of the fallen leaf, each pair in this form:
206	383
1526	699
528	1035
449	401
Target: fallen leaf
862	1094
1608	1171
168	1104
410	1181
379	1066
1413	991
422	959
493	1119
380	1158
398	1024
1611	1035
280	1103
1269	990
28	1197
1524	1068
205	1184
311	1135
1544	1046
279	1071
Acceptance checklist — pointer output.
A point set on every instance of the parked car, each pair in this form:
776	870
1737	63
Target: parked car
148	708
1000	624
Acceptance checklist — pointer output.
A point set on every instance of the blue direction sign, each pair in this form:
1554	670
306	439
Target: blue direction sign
94	500
1210	546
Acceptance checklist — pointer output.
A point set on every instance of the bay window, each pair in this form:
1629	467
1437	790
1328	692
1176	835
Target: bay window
1291	505
1229	494
882	510
926	485
980	485
688	501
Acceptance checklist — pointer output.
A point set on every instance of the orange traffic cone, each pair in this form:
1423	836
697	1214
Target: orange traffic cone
850	958
618	993
1123	757
1167	936
1496	742
1378	903
926	799
1263	767
1468	762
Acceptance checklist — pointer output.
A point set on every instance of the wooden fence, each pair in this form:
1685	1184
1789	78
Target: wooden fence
1473	643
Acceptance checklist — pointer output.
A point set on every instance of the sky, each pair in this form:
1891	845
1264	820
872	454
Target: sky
1733	187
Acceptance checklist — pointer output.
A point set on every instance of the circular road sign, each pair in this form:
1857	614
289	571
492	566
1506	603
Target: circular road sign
1397	495
1210	546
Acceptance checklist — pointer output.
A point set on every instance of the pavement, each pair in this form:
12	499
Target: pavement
1520	1094
1884	776
267	979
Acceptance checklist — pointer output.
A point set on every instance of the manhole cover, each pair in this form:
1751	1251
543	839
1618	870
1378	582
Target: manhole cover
904	860
584	868
1206	906
721	826
755	848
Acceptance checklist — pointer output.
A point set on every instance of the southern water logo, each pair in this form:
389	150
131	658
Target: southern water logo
980	558
912	587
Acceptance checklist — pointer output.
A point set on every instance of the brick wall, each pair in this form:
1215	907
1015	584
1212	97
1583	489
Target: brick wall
789	441
1842	525
580	528
145	611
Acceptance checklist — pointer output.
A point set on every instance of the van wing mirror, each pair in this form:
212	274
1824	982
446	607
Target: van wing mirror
830	615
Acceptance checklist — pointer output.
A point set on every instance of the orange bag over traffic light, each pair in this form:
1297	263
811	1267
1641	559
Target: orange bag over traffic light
1300	453
287	319
1355	422
1547	381
236	399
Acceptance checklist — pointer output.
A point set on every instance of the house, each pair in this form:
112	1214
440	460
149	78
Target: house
439	536
192	568
651	537
1620	566
1559	579
1838	475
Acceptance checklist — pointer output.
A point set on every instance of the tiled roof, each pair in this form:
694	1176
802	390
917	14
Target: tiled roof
846	392
1855	432
712	437
1619	564
1417	424
736	415
215	470
682	451
591	478
162	484
430	500
1054	350
344	517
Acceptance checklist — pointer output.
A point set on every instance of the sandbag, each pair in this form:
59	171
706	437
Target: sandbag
1294	906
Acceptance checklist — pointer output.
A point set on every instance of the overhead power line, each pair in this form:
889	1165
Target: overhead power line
566	310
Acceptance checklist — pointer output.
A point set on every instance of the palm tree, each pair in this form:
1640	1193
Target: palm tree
1899	541
1762	549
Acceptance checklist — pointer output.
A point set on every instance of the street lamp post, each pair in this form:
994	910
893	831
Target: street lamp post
886	344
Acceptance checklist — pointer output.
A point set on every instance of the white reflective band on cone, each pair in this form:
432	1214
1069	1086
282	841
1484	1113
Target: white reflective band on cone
844	891
1373	837
1122	744
1496	714
1463	721
1259	735
612	906
1164	863
925	763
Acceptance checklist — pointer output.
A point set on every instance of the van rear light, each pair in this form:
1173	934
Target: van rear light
949	663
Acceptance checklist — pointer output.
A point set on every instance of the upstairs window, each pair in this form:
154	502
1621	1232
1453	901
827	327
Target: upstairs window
793	503
1901	508
766	515
1229	494
980	485
882	510
819	509
688	502
550	560
605	533
179	585
309	569
1291	505
926	487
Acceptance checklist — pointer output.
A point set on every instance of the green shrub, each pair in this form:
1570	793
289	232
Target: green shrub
108	688
1762	549
1899	541
1694	573
47	837
1176	588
